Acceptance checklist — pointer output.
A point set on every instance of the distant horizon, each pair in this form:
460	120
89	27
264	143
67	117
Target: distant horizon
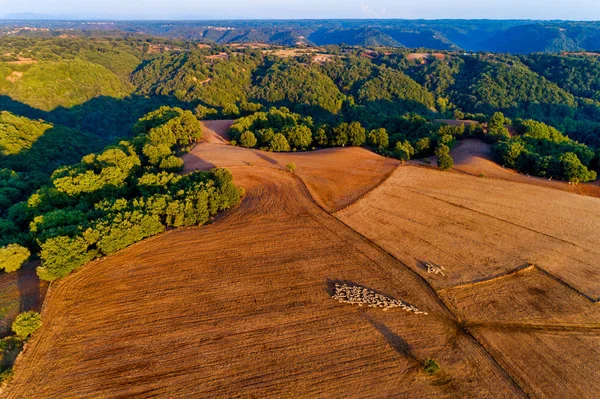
184	10
8	17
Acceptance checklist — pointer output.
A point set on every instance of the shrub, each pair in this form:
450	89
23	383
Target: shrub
422	146
572	169
6	375
445	162
431	367
356	134
12	257
321	137
248	139
61	255
279	143
339	135
291	167
404	150
203	112
379	138
26	324
231	111
299	137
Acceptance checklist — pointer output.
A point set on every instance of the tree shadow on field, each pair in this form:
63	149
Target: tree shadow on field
31	290
267	158
394	340
193	162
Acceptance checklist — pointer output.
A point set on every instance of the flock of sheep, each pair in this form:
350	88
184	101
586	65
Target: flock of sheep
356	295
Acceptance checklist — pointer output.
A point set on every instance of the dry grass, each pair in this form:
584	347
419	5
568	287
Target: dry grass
241	308
220	56
14	76
323	59
336	177
529	296
547	364
424	56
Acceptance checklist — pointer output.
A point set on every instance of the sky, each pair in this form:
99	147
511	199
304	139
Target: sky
294	9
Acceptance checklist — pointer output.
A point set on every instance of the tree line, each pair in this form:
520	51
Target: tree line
112	199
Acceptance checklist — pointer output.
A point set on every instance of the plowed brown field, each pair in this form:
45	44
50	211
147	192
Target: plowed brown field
241	308
543	332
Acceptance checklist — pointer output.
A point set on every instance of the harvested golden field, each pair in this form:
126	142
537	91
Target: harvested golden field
544	333
243	308
541	323
527	297
335	177
480	228
547	363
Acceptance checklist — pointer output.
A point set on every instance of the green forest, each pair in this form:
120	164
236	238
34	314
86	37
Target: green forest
91	129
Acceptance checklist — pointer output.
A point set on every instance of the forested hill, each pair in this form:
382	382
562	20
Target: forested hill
511	36
103	85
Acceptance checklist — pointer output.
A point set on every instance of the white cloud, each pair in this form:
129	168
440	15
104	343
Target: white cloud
371	12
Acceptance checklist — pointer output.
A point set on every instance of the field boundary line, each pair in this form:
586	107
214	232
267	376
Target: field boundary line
484	280
369	192
516	271
567	327
488	348
561	281
520	226
440	301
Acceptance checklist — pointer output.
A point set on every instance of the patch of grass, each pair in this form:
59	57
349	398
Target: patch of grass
9	350
6	375
431	367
